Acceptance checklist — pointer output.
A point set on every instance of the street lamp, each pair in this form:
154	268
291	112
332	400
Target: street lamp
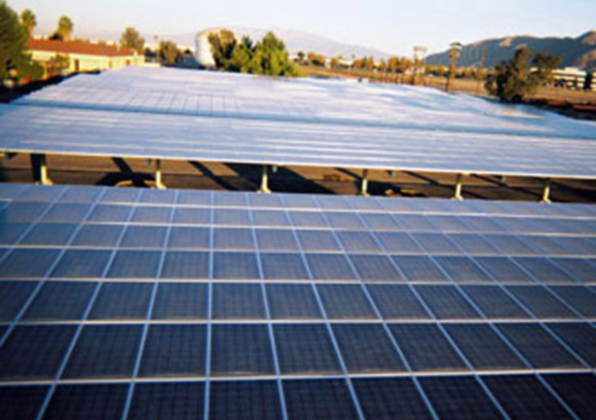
454	54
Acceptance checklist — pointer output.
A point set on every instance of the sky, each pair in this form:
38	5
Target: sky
392	26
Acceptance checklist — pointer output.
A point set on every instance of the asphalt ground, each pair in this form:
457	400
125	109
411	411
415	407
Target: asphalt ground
67	170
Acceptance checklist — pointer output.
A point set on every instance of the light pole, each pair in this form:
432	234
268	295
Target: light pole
454	54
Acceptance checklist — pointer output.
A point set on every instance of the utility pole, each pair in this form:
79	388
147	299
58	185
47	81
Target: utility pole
480	70
419	59
454	54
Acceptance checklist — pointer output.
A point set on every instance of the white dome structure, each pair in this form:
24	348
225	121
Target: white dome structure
203	49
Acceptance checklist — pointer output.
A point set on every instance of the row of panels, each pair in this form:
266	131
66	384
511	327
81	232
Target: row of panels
91	235
242	200
35	302
106	132
34	353
556	396
36	263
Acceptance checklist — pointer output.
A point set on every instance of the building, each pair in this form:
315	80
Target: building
81	56
573	78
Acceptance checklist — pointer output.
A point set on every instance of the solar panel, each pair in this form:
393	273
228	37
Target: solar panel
150	319
467	135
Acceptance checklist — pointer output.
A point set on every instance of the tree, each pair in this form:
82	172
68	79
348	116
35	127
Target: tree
512	81
15	62
335	62
131	39
301	56
29	20
64	30
168	52
241	56
316	59
222	46
271	58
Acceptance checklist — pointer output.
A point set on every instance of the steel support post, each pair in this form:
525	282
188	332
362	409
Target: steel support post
458	187
158	176
265	181
364	184
39	167
546	192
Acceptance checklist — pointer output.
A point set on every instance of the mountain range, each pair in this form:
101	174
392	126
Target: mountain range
575	52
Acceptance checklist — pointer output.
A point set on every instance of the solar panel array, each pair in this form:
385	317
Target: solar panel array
218	117
147	304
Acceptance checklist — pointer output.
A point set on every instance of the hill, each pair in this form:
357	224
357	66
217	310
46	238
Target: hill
576	52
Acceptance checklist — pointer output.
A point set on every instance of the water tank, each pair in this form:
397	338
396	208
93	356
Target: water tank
203	47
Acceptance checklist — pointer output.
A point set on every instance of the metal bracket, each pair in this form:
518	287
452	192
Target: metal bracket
39	167
265	181
546	192
364	184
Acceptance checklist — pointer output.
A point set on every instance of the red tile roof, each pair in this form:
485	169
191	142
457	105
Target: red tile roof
78	47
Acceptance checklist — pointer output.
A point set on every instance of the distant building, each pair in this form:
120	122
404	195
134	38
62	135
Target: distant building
572	78
82	56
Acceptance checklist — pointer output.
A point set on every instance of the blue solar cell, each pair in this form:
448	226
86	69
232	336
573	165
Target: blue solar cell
176	400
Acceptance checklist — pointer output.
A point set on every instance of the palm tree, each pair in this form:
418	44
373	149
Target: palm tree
65	27
28	19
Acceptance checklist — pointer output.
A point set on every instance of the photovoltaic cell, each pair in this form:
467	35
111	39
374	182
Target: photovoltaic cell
426	348
312	400
524	397
185	265
305	349
577	390
13	294
104	351
538	347
238	301
330	267
235	266
397	302
91	402
292	301
445	302
541	302
180	301
283	267
579	298
495	303
241	350
378	399
376	268
27	263
34	352
21	402
250	400
174	351
105	236
158	401
420	269
459	398
580	337
367	348
58	301
49	234
121	301
345	302
483	348
135	265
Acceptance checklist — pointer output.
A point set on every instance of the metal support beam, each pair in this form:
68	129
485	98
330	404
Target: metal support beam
265	181
546	192
364	184
158	177
458	187
39	167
